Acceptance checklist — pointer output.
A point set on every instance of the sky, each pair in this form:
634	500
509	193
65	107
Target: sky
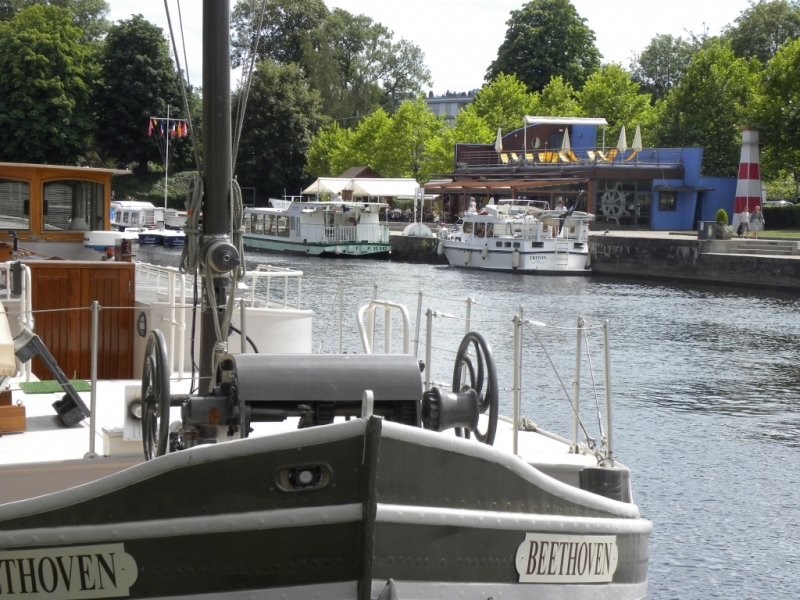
460	38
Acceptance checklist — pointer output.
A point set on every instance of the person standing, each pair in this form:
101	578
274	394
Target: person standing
756	222
744	222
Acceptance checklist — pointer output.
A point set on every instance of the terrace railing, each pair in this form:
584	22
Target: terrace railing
470	158
340	234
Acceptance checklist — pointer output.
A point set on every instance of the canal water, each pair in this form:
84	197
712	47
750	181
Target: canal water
704	380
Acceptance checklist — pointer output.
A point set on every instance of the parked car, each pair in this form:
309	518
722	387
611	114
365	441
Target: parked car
778	203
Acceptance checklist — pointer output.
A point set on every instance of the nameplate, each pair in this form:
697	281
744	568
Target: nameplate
550	558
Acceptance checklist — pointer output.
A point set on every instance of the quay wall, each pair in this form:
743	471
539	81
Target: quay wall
689	260
666	258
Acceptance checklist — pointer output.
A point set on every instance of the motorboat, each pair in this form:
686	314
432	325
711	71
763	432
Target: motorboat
287	474
171	237
519	235
136	214
336	229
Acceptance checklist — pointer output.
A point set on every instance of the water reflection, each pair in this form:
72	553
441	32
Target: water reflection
704	381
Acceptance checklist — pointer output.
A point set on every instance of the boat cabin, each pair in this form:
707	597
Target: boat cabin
46	204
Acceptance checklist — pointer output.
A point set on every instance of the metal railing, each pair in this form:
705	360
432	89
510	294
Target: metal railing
25	315
339	234
467	158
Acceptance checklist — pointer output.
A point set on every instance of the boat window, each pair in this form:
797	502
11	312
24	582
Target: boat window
126	217
134	218
291	223
72	205
480	229
490	230
283	226
248	223
269	225
14	204
467	228
499	244
508	244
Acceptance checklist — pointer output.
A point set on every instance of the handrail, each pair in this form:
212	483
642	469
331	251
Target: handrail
368	333
25	316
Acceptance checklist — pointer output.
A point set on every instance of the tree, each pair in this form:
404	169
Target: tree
45	82
709	107
660	66
357	67
557	99
138	80
88	15
611	93
282	114
286	28
546	38
763	28
503	103
776	113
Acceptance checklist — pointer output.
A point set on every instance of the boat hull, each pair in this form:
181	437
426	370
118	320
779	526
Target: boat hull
544	261
222	520
328	250
151	238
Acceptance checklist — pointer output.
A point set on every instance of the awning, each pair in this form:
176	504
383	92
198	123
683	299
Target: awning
514	184
328	185
681	188
529	120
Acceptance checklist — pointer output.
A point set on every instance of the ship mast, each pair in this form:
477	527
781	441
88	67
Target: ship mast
218	255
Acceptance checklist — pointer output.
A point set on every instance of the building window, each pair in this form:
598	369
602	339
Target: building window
14	205
72	205
667	201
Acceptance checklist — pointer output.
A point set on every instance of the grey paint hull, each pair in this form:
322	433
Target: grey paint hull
214	520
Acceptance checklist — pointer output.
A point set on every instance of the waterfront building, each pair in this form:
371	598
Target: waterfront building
569	160
449	104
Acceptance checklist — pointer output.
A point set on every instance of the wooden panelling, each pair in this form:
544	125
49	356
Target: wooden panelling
68	289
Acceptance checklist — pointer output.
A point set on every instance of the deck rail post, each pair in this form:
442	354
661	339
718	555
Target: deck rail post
576	384
428	334
93	409
607	369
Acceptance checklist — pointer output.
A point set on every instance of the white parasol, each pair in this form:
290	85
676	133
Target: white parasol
622	144
637	140
565	145
498	143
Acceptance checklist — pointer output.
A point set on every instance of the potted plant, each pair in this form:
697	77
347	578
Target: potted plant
724	231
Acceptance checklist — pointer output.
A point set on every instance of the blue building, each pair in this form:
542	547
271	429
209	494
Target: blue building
566	159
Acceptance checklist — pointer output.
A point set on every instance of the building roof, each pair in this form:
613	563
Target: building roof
359	172
387	187
532	120
65	168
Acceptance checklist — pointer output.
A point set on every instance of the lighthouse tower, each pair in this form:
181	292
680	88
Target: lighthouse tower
748	187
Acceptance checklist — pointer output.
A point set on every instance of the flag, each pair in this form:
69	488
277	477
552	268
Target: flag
172	133
150	129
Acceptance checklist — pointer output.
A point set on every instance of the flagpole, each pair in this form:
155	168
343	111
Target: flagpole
166	162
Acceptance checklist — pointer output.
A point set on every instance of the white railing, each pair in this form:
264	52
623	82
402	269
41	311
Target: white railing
339	234
267	274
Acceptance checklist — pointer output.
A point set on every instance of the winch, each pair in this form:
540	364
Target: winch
316	388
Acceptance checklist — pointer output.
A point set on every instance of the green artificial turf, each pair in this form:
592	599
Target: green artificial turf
52	387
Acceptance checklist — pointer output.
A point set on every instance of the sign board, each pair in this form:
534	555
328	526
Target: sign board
553	558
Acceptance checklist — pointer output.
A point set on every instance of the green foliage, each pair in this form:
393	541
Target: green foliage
285	30
721	217
138	80
282	114
545	39
661	65
709	108
87	15
503	103
45	82
763	27
611	93
782	217
177	188
358	68
776	113
557	99
782	188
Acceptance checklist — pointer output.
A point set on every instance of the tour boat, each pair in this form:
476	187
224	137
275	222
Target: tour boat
135	214
521	236
342	229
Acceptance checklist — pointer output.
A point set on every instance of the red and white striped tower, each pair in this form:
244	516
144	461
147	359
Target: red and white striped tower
748	187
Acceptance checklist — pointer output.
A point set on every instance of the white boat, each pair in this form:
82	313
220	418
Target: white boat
343	229
135	214
520	235
291	475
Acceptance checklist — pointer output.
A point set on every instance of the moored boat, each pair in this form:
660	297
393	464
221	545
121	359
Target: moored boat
521	236
340	229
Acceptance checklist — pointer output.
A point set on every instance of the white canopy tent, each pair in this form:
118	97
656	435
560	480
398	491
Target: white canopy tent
365	187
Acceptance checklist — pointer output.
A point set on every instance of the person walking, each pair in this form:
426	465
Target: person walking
756	222
744	222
